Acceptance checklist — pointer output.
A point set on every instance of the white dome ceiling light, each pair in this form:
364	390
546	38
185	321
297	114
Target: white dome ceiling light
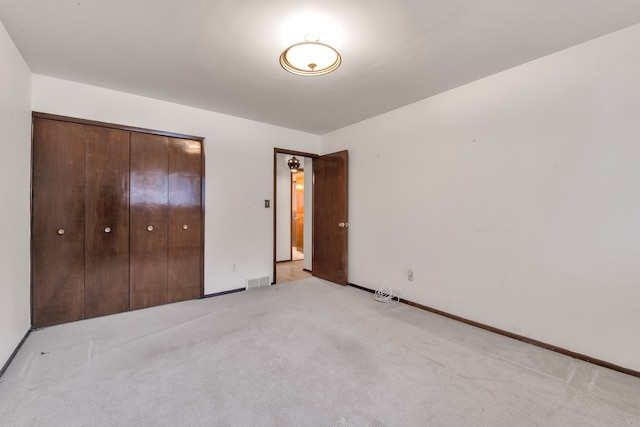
310	57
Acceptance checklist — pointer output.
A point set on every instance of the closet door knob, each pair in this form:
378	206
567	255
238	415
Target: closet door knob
185	227
61	231
107	230
150	228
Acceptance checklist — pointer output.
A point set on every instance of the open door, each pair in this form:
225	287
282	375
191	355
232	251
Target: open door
330	219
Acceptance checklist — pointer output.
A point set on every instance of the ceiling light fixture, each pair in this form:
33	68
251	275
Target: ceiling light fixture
310	57
294	164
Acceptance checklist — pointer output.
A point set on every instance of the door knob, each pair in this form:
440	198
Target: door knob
61	231
185	227
107	230
343	224
150	228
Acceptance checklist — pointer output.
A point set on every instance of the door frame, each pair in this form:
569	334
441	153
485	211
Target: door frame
277	151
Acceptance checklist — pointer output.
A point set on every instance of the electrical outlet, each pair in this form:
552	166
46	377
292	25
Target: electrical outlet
410	274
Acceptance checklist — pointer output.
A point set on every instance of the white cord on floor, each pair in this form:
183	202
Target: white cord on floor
386	295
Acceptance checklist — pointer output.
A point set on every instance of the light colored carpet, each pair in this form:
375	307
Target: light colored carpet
305	353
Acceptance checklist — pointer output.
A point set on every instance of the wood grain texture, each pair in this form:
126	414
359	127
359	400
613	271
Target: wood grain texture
185	219
58	217
149	201
104	185
37	114
107	222
330	209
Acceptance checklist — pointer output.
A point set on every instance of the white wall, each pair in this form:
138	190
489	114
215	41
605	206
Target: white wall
516	199
15	160
239	168
308	209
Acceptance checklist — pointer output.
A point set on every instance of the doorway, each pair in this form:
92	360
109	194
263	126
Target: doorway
293	232
297	215
326	223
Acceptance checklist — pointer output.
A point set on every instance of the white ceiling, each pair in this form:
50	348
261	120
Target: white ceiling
222	55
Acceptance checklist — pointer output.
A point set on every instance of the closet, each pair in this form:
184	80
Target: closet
116	219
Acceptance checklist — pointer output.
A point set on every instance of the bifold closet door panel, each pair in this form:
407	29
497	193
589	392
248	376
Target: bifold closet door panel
185	219
58	215
148	220
107	222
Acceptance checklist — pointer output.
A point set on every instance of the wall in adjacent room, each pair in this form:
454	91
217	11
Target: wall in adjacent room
238	160
515	199
15	161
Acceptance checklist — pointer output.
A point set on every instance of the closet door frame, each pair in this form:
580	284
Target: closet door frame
60	118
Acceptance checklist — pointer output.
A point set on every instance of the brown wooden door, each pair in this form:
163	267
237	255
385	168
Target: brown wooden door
330	219
185	219
58	222
107	222
148	220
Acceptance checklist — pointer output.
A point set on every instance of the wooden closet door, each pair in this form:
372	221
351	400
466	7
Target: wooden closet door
107	222
148	220
58	215
185	219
